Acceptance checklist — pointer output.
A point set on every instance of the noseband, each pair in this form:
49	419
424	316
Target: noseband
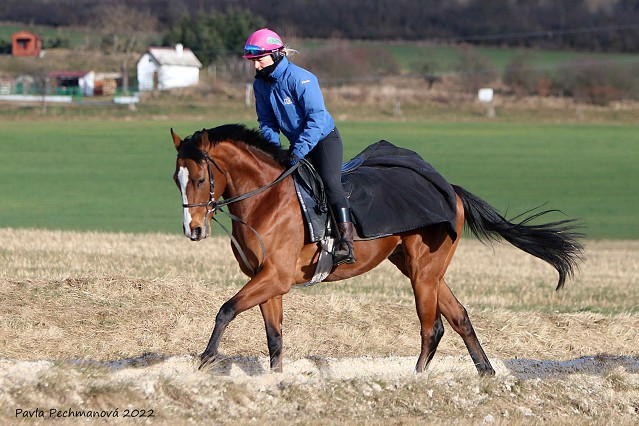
212	206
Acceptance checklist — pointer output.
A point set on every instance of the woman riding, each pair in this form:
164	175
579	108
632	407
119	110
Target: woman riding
288	99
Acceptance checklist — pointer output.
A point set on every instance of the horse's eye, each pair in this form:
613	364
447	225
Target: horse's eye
200	182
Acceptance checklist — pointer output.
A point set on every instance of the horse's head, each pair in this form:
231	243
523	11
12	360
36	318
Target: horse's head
200	182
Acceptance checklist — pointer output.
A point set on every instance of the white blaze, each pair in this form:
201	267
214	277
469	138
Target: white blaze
183	179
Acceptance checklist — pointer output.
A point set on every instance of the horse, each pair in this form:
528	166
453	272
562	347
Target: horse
234	166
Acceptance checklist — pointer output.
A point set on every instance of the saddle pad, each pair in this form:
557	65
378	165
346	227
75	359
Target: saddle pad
394	190
310	194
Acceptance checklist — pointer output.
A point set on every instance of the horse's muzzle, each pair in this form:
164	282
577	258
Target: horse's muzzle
199	233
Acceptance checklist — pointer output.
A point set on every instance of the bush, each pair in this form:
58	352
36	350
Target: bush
5	47
340	64
523	78
428	70
55	43
598	83
474	71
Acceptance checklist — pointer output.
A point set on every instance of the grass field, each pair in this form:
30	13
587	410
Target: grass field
115	175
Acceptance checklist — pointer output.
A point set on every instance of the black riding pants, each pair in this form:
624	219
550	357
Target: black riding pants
326	157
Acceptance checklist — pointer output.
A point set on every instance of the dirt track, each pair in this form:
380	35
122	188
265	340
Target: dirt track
326	390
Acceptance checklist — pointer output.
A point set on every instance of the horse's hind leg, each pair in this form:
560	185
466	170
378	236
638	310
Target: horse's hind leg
273	316
425	255
457	317
448	304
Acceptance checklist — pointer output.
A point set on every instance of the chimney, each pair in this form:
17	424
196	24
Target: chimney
179	50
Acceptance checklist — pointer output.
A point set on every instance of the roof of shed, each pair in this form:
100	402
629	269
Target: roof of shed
26	34
170	56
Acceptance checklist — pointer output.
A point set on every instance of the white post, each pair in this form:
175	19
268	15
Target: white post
248	96
397	111
486	96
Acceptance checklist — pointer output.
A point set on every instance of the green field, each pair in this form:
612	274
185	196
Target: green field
409	55
116	175
71	37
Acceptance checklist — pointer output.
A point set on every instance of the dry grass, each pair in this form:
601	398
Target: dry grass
114	297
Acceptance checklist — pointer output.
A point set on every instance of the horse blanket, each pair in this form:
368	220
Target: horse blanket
391	190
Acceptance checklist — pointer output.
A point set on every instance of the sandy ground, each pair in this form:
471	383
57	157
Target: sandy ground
324	390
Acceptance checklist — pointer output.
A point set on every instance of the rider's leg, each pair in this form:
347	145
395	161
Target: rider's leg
327	160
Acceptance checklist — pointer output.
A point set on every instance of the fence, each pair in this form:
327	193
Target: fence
75	92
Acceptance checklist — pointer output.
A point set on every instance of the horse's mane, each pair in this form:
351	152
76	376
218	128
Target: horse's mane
234	133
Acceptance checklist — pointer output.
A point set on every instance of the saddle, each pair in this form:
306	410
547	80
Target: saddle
390	190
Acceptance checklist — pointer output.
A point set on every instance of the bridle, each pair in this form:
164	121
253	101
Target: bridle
213	206
210	205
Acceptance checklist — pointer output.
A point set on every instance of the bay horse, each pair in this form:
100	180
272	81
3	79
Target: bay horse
237	165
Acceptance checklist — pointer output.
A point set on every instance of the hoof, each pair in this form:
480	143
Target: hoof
206	360
486	372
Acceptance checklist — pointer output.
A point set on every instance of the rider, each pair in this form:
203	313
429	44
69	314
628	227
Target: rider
288	99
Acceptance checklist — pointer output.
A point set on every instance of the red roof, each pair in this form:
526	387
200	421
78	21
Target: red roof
25	34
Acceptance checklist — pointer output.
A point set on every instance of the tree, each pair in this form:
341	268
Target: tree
34	75
214	35
428	69
123	30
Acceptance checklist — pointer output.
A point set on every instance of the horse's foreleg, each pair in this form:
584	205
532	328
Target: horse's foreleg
273	316
224	316
257	291
457	317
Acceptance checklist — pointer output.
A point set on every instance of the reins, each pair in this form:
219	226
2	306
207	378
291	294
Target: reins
212	206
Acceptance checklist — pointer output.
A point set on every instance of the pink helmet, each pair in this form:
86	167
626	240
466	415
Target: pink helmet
261	43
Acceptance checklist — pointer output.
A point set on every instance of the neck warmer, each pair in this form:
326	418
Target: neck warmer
265	73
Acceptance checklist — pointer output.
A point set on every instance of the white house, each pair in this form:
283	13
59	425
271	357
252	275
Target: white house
164	68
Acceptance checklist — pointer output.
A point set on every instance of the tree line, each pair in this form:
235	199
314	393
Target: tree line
595	25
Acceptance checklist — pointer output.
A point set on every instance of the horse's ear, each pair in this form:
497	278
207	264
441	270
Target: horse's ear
204	138
177	141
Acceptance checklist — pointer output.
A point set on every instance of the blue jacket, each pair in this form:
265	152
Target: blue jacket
292	102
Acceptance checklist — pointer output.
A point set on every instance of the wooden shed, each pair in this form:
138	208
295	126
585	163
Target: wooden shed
25	43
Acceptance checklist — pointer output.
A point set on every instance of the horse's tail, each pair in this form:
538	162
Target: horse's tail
556	242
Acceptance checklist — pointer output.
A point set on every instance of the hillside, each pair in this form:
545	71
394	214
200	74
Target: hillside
603	25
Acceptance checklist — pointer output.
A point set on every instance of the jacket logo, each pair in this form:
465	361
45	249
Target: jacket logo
288	101
305	81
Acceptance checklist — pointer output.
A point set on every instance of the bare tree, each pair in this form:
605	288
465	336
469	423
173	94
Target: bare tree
124	30
34	75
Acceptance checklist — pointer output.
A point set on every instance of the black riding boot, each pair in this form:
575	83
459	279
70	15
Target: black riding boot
344	252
